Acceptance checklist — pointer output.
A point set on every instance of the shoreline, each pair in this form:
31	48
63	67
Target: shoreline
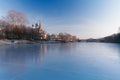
9	42
2	42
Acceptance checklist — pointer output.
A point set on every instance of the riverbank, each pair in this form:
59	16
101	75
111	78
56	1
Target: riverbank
2	42
6	41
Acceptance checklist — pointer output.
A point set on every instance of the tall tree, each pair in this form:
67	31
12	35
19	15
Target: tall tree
16	18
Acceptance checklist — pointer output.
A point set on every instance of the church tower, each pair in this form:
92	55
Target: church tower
41	31
40	27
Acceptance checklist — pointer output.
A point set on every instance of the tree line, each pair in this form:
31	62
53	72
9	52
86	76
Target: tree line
14	26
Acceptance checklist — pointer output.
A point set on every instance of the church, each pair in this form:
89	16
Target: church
41	32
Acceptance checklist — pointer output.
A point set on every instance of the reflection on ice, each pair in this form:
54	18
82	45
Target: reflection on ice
97	61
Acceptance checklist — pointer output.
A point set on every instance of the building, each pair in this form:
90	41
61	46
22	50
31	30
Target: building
40	30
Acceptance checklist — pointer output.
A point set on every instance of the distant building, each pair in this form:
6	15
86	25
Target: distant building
53	37
40	30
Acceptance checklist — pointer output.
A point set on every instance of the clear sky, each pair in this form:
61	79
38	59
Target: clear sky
84	18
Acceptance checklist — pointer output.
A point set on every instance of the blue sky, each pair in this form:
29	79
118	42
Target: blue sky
84	18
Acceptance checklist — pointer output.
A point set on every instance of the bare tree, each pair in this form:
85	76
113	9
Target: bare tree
16	18
3	23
